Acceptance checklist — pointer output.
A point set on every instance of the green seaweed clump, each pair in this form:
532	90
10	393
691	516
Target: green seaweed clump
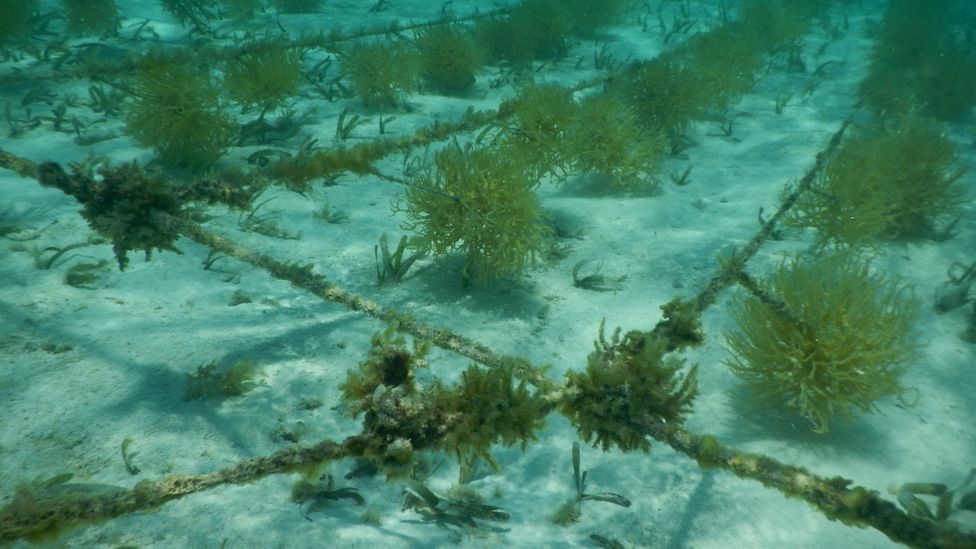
923	60
123	203
629	384
488	407
264	78
838	338
398	418
176	109
242	10
548	24
209	380
771	24
893	182
542	115
402	416
196	12
664	94
711	70
449	56
479	201
502	43
607	140
91	16
535	29
381	71
725	62
389	363
15	19
588	17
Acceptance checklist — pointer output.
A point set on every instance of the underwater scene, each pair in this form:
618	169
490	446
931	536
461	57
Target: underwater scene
538	273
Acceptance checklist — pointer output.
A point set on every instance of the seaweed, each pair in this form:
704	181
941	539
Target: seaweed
319	495
534	29
726	63
176	109
122	204
884	183
542	115
381	71
664	95
128	457
548	25
629	382
210	380
459	508
15	19
606	139
503	41
488	407
571	511
197	12
44	508
242	10
922	62
264	78
449	56
710	71
825	337
770	24
588	17
393	267
397	416
86	275
389	363
94	17
478	201
596	281
402	417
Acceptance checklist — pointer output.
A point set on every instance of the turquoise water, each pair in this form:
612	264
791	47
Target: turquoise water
232	340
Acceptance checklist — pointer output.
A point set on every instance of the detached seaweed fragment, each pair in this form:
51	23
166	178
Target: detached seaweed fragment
266	225
608	543
447	511
571	511
128	457
209	380
87	276
317	496
955	293
596	281
914	505
47	263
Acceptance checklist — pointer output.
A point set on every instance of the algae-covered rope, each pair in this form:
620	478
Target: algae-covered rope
833	497
837	498
729	273
38	514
